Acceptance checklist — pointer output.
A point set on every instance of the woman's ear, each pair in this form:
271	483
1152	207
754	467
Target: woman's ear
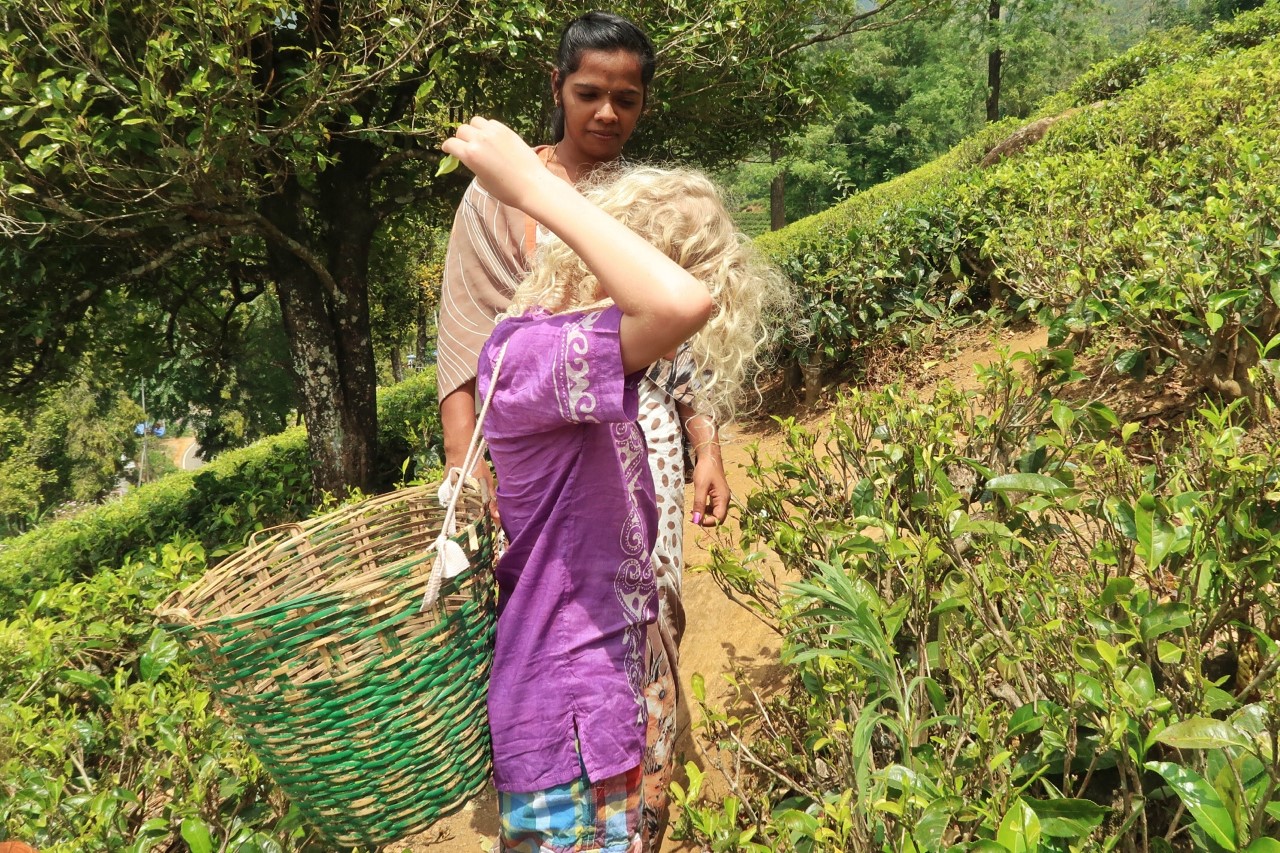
555	85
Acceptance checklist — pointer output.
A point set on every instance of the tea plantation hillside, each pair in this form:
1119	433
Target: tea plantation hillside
1028	617
1038	615
1145	220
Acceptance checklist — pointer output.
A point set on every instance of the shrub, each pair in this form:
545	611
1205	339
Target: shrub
1163	50
107	740
1248	30
1119	74
1100	221
1155	222
866	268
237	493
1017	627
410	440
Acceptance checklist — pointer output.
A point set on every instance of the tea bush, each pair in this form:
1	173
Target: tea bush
1152	225
1110	77
1163	50
1016	626
871	266
241	491
107	742
1115	221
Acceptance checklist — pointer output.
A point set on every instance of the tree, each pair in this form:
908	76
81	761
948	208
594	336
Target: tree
896	98
271	140
223	370
21	477
404	275
69	444
1045	41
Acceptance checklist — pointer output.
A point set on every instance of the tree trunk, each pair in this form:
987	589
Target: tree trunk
812	378
777	191
994	60
327	322
397	364
424	336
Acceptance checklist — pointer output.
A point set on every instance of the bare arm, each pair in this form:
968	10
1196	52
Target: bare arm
662	305
458	422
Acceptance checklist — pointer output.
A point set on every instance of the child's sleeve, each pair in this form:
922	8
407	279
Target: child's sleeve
558	371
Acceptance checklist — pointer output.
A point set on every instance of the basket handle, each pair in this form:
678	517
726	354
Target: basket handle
449	527
253	537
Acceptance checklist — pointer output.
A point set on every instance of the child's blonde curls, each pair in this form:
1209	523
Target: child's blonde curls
683	214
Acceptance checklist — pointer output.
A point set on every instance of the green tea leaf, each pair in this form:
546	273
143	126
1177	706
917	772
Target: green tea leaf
1129	362
1068	818
931	828
1201	800
158	655
196	833
95	684
1156	536
1226	297
448	163
1168	652
1020	830
797	822
1202	733
1166	617
1036	484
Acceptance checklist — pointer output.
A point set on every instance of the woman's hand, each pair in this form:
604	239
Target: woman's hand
710	491
507	168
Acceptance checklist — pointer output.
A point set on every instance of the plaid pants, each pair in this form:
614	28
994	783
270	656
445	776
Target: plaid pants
576	817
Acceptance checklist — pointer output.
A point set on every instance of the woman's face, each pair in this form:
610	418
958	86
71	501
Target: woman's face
602	101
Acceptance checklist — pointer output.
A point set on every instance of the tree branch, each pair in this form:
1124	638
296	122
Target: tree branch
191	241
404	155
855	23
302	253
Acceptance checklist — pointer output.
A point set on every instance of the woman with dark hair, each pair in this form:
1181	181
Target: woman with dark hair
600	85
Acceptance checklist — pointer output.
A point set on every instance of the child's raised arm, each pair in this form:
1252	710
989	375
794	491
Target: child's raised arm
662	305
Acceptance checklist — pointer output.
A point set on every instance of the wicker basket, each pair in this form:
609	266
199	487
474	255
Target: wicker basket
366	709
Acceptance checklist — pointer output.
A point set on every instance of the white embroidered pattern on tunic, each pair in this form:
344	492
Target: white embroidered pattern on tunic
634	581
581	401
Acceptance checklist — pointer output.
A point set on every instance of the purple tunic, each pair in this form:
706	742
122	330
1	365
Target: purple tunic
575	585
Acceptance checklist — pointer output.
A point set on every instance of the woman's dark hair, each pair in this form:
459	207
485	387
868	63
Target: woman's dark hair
601	31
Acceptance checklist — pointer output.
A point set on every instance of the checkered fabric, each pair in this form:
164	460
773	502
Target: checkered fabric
577	817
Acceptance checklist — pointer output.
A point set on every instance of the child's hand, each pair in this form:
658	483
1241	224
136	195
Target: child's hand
505	165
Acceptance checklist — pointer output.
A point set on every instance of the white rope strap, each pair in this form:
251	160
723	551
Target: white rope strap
450	559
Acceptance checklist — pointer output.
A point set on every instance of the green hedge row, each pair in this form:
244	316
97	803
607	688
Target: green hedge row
1162	51
895	251
1151	224
953	235
220	504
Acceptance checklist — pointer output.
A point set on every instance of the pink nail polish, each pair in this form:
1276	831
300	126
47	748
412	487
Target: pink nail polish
697	518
